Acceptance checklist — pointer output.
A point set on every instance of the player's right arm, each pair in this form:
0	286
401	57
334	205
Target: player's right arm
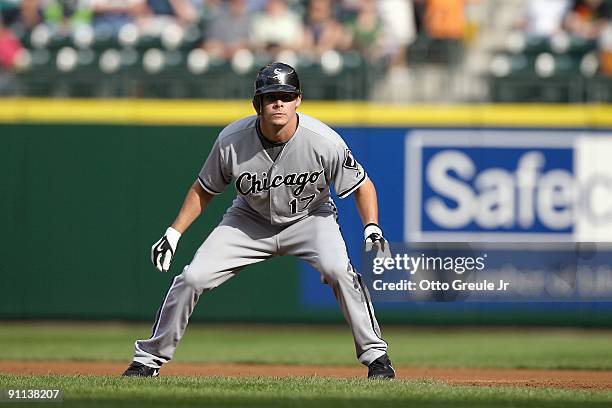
211	181
195	202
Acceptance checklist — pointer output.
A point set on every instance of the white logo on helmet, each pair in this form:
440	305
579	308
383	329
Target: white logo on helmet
280	76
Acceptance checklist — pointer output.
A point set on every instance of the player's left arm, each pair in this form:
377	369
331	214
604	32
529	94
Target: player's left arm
367	203
367	206
349	177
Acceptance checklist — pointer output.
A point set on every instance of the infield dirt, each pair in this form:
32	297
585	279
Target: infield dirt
568	379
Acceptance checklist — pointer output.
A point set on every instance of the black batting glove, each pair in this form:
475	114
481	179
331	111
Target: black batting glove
374	239
163	250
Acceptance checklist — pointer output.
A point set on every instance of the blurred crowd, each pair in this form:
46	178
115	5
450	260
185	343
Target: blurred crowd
379	30
564	21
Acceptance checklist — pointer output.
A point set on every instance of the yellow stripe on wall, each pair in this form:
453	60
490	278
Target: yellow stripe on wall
221	112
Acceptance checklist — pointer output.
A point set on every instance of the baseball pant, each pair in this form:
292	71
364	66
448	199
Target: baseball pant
243	238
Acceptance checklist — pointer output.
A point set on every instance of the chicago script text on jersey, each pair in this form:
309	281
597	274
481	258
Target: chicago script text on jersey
251	183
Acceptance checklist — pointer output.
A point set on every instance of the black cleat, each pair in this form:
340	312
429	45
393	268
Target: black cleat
140	370
381	368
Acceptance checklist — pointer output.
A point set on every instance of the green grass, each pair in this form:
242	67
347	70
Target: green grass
328	345
295	392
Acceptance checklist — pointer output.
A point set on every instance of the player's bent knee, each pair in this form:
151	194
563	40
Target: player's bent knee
199	280
189	278
333	270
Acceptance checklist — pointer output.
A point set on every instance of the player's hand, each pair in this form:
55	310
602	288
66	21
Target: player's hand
163	250
374	240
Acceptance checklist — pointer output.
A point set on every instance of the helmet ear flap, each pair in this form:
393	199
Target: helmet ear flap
257	104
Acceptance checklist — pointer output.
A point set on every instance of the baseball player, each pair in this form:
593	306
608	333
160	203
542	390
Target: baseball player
282	165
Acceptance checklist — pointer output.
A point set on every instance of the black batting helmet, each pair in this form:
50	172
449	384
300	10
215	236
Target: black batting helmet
275	77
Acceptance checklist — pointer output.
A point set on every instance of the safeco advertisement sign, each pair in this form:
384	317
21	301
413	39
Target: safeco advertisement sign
508	186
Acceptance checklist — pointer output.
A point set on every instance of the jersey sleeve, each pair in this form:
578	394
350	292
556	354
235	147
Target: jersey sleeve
214	176
347	174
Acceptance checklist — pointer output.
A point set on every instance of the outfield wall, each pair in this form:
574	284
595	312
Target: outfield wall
88	186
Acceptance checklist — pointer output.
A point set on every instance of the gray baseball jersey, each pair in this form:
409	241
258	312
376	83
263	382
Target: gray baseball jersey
283	207
290	187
